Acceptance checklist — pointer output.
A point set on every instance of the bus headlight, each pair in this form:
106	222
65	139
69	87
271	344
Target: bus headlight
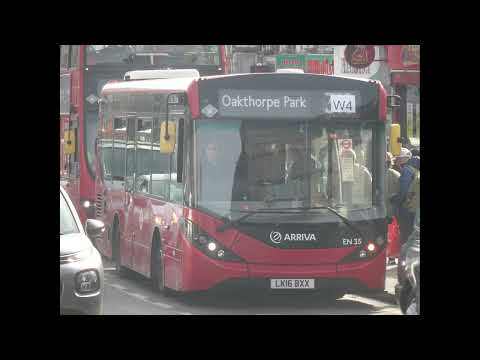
212	246
365	252
206	244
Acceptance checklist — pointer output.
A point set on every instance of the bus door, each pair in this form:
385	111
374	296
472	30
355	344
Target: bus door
162	210
176	197
139	210
63	153
129	232
114	190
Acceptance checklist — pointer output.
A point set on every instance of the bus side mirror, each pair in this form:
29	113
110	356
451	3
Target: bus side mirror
395	140
167	138
69	142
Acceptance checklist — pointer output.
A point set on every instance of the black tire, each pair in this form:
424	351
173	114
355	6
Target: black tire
405	297
411	306
119	269
157	268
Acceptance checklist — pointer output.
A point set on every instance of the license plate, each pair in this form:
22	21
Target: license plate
292	283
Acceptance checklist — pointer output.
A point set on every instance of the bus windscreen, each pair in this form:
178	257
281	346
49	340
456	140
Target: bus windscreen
287	163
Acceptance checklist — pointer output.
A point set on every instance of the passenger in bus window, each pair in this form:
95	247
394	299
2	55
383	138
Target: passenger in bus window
362	184
361	163
296	168
240	190
211	157
358	193
213	184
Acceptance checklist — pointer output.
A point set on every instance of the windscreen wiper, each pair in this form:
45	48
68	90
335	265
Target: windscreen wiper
231	222
345	219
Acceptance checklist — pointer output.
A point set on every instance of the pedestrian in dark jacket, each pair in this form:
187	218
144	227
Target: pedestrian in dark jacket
402	159
416	152
392	188
405	215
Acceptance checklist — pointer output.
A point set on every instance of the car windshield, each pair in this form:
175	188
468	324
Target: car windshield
67	221
251	164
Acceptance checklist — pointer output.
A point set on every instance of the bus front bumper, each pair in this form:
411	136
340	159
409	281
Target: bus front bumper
204	273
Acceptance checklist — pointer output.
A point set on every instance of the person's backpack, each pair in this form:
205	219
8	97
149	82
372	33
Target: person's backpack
412	201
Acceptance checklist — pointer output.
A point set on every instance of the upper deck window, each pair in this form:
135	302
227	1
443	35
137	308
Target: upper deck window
160	55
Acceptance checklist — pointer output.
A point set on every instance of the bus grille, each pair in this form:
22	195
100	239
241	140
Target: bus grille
99	206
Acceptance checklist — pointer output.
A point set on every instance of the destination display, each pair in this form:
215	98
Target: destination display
289	103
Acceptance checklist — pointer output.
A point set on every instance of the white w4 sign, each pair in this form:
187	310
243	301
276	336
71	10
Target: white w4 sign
342	103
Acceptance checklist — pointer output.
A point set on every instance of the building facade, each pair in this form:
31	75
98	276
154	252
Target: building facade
396	66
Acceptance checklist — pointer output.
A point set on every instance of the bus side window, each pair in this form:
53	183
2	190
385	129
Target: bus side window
64	55
176	188
160	169
74	55
143	154
106	149
130	153
118	156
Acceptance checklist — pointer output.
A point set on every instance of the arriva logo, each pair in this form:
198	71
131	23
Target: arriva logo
277	237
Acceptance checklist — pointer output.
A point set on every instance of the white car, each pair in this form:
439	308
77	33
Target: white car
81	267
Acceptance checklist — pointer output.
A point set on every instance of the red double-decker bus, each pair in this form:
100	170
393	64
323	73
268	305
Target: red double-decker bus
273	180
84	70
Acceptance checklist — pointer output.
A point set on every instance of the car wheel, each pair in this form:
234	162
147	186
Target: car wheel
405	297
157	268
412	306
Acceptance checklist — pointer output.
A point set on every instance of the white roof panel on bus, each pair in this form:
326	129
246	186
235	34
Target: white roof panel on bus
183	83
161	74
157	85
289	71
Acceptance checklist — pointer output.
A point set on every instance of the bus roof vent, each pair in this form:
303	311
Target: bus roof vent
160	74
290	71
